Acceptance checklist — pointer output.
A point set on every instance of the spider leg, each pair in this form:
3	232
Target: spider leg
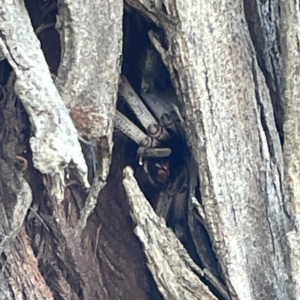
147	144
154	152
154	129
166	113
133	132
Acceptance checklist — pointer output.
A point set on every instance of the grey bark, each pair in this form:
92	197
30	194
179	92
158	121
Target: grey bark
290	53
225	64
49	117
234	139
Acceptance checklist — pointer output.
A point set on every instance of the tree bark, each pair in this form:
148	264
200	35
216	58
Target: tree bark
290	54
74	223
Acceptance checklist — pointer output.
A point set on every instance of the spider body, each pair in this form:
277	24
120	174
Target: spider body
156	147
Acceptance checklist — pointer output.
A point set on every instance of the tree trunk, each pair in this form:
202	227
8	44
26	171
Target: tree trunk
78	217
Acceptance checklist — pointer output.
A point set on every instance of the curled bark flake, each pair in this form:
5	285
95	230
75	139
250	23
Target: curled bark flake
54	142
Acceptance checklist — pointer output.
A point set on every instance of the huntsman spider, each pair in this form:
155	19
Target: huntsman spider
159	142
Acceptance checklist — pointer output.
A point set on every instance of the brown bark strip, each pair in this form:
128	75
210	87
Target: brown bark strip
88	78
28	282
176	275
89	72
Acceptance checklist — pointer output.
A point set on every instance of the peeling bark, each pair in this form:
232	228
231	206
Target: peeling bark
174	272
90	89
54	143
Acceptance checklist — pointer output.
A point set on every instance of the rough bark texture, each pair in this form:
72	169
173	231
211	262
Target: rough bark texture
107	242
290	53
54	142
236	145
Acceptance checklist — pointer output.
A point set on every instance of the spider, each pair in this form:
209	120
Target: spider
159	146
162	152
148	113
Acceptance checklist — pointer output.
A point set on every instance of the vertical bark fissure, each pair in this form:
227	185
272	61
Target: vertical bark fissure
262	113
263	20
